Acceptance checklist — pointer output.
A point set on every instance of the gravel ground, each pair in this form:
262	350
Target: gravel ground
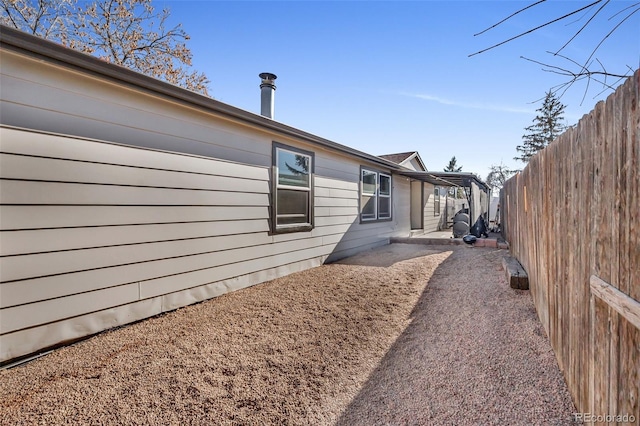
404	334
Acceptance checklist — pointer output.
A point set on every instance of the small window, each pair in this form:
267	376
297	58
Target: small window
369	191
375	196
384	197
436	201
292	208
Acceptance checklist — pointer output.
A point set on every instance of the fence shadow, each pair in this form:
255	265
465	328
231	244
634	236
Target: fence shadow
462	355
388	255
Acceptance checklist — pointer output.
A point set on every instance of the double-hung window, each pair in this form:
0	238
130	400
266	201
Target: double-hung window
292	200
375	195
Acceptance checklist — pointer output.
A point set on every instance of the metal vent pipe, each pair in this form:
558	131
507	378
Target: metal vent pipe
267	92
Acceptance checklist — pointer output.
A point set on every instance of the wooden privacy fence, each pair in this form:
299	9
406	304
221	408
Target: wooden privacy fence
571	218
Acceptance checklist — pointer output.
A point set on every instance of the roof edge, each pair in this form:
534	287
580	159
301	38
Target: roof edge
416	155
24	43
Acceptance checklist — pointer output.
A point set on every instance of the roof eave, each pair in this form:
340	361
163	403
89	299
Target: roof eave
416	155
21	42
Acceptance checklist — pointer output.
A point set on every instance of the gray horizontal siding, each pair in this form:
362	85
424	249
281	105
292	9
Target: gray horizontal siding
40	96
48	216
430	219
98	233
78	227
72	148
141	281
22	342
57	193
172	209
60	239
433	222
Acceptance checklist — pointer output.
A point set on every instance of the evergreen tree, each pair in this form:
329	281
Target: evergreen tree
453	166
548	125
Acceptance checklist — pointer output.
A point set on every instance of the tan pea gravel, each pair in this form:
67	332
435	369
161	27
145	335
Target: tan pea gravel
400	335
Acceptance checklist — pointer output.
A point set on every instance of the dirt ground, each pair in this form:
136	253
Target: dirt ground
403	334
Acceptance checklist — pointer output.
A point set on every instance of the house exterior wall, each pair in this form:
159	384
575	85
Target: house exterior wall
417	206
432	221
45	96
413	164
141	205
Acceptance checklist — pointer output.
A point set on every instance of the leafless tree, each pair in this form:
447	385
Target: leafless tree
129	33
44	18
498	175
590	69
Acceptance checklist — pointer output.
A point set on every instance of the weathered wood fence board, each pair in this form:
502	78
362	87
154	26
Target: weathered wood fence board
574	213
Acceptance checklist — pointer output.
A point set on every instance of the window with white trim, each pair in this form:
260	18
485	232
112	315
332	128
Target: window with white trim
375	195
384	196
292	201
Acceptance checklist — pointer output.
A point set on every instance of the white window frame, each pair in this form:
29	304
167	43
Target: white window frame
291	227
386	196
377	195
373	195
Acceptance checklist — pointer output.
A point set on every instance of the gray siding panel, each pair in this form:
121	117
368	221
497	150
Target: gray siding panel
26	316
29	340
48	169
54	121
47	99
174	273
56	193
89	228
60	239
166	285
327	182
63	262
72	148
433	222
46	216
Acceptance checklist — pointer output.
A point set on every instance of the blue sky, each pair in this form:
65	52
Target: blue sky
395	76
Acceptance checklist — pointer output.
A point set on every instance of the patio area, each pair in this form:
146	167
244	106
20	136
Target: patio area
494	240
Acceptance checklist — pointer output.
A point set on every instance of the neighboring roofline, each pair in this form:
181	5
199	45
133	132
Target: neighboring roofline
24	43
405	155
409	156
416	155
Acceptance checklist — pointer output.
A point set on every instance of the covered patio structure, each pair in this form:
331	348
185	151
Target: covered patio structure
477	194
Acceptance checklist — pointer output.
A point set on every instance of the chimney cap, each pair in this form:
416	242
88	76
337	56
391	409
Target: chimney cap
267	76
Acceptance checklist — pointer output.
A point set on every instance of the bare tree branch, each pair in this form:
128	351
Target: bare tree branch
509	17
536	28
591	70
609	34
622	10
585	74
583	27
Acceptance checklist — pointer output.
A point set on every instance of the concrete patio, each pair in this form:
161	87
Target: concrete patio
495	240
